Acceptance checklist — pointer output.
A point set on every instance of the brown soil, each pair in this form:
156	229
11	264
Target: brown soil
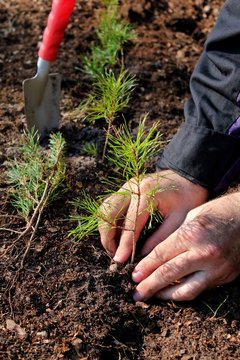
66	302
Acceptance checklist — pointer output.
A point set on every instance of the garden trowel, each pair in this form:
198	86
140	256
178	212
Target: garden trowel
42	92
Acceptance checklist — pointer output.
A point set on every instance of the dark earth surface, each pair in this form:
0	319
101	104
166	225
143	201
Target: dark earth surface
66	303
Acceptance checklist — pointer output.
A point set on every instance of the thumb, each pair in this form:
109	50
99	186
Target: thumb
169	225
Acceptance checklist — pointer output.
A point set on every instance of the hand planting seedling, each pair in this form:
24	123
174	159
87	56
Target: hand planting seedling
129	156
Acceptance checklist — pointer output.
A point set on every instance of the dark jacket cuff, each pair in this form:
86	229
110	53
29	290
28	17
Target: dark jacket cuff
203	156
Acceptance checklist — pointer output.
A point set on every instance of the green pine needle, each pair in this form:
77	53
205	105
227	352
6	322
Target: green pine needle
110	95
89	218
130	154
112	33
30	171
87	223
91	150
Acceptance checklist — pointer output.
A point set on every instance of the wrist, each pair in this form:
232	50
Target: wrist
194	194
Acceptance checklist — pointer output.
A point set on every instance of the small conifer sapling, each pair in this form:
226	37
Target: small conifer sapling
129	155
36	177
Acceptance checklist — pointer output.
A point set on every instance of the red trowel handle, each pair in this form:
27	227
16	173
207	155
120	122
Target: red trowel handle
53	34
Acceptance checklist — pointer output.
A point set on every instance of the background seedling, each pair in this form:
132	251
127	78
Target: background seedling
111	83
90	149
110	95
35	178
112	34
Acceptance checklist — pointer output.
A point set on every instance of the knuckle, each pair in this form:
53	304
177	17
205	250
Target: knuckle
211	251
170	272
150	292
157	255
202	230
104	228
229	277
131	186
185	295
127	239
165	273
106	205
224	274
146	184
190	215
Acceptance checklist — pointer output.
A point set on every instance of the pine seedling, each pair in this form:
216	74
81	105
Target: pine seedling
129	154
35	180
36	176
90	150
112	34
132	155
110	95
111	91
133	152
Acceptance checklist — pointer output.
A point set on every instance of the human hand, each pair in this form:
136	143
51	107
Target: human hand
172	195
204	252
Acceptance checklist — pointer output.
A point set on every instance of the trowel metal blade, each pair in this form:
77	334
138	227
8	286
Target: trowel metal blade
42	103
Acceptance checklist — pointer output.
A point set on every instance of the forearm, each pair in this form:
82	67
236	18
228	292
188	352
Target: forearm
206	149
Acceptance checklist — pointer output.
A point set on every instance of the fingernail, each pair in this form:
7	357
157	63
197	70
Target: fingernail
137	276
116	259
137	296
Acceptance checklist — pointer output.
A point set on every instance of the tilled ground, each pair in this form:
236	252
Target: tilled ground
66	303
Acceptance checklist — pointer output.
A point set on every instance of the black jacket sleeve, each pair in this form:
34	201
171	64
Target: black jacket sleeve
206	148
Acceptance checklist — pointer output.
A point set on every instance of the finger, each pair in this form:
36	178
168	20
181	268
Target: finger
162	253
135	220
187	289
112	213
166	274
169	225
